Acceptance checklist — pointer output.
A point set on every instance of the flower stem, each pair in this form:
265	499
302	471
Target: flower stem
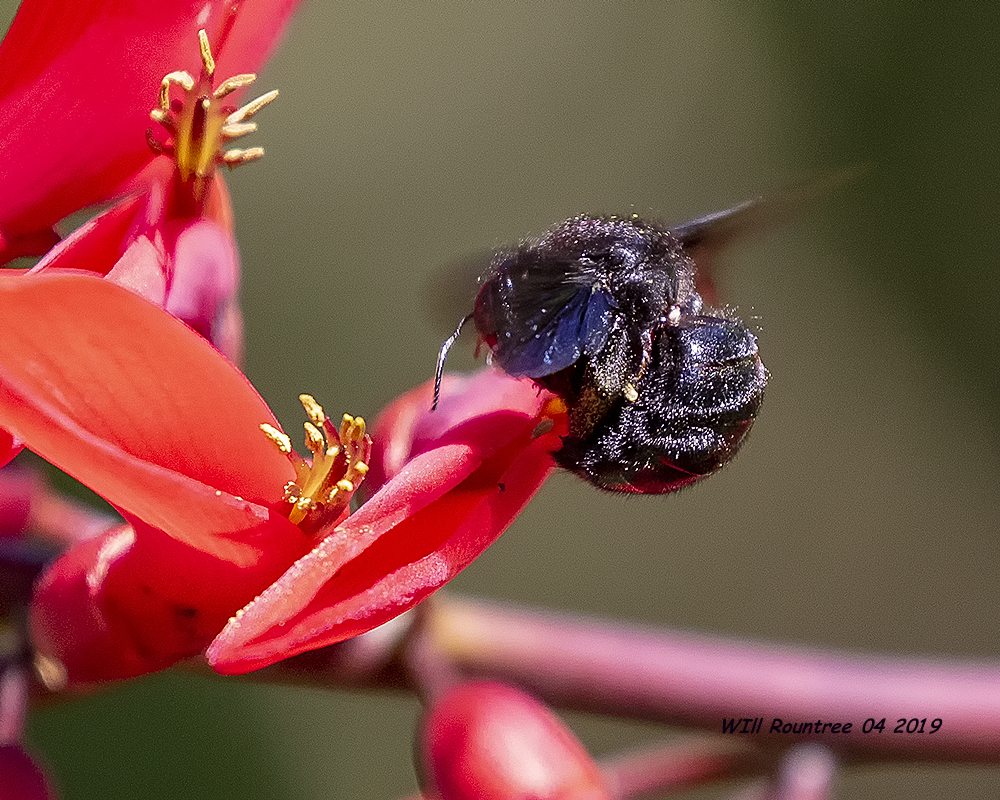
692	680
698	680
682	765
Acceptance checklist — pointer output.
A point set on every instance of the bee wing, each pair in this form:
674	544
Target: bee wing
450	289
544	315
704	237
718	228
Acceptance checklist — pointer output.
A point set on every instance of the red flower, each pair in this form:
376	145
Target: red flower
89	379
451	482
169	432
80	80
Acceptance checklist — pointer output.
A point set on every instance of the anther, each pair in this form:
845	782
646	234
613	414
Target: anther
231	84
182	79
199	124
154	145
251	108
314	439
238	129
281	440
322	489
206	53
233	158
313	409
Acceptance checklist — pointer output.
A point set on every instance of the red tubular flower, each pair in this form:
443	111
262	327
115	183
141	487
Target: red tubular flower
80	80
490	741
22	779
199	484
169	432
16	490
451	482
184	261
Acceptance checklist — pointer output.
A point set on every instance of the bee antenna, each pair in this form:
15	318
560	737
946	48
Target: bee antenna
439	371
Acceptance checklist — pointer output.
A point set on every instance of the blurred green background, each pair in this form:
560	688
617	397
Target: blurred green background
862	514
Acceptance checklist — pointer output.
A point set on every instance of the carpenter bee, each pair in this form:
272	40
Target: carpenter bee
610	314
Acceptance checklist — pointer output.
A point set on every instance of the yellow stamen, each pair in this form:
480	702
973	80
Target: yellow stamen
554	409
323	487
281	440
315	440
238	129
313	409
206	53
199	125
554	406
251	108
182	79
231	84
160	116
233	158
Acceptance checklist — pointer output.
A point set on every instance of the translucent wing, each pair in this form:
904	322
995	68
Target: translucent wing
704	237
539	316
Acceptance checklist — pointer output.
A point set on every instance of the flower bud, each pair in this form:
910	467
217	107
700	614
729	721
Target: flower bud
22	779
487	741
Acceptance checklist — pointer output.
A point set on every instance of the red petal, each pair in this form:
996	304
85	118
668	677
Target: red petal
430	521
68	623
79	80
128	603
32	243
9	447
187	265
18	489
205	276
123	244
135	405
97	244
408	427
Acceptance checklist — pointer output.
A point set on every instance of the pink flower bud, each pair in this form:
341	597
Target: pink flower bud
487	741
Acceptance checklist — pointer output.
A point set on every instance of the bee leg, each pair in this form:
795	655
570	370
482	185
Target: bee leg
631	393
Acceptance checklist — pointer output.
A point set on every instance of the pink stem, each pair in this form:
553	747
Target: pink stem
688	679
700	681
681	765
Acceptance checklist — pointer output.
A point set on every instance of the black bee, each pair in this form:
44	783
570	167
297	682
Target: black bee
608	314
